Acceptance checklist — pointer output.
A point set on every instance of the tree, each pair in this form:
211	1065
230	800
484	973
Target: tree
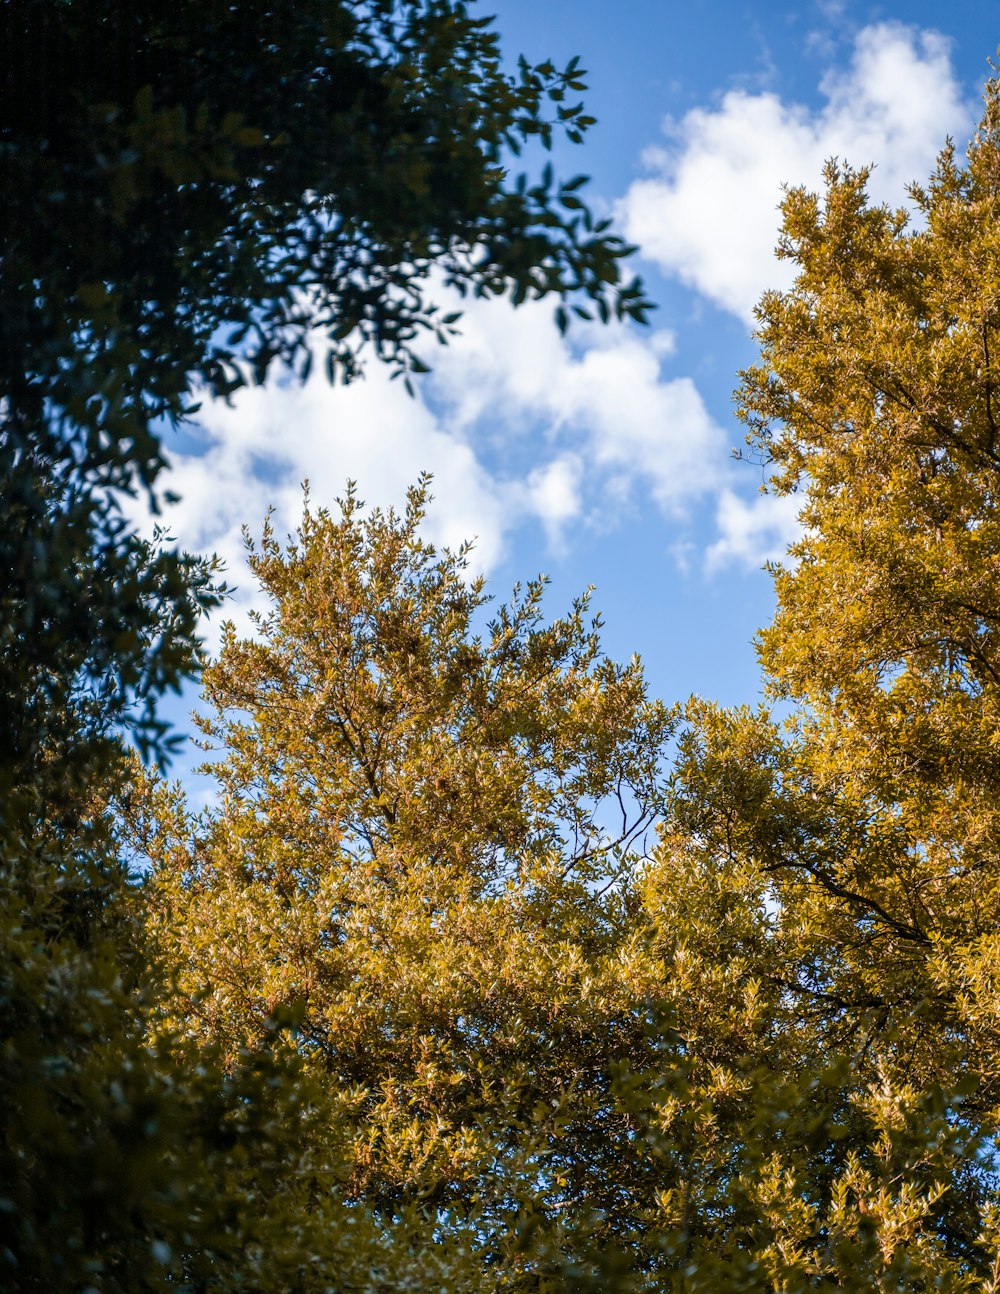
771	1044
876	396
425	839
174	173
865	840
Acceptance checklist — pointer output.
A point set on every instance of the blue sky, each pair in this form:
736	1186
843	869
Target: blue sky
605	459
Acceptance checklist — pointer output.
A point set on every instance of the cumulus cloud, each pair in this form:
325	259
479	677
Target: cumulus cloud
521	426
753	531
554	493
601	393
708	212
517	424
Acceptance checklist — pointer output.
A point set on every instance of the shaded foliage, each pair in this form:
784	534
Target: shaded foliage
176	170
174	173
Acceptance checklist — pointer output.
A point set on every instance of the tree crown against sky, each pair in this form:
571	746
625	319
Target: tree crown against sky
177	174
875	398
171	170
781	1025
718	1054
434	820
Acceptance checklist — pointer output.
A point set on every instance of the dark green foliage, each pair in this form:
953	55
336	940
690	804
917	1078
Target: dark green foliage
95	621
190	190
188	183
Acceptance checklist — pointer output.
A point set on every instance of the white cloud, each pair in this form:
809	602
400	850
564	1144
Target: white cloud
554	495
522	426
708	214
517	425
753	532
600	393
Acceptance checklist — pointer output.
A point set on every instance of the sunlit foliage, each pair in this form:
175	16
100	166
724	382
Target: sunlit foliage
756	1051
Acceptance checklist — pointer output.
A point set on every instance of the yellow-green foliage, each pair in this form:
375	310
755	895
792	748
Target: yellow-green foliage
754	1049
876	397
425	843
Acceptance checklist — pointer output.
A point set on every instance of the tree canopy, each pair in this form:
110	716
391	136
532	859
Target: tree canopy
875	395
194	189
484	970
755	1050
193	193
435	822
